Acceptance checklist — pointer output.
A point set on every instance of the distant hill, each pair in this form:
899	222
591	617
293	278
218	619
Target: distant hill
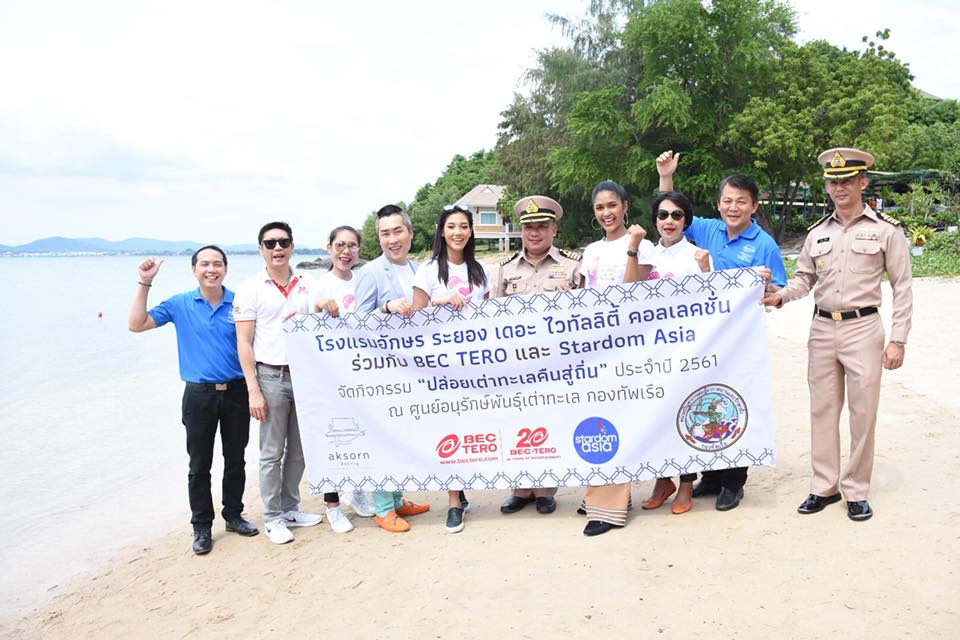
59	244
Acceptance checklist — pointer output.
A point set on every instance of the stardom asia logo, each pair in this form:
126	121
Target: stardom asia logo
596	440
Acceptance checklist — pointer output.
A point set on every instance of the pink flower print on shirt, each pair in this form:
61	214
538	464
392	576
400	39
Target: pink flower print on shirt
347	301
464	291
592	270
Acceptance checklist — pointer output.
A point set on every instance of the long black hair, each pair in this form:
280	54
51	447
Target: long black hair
475	272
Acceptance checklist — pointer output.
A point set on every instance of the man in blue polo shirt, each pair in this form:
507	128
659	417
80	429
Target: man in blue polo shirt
215	389
734	241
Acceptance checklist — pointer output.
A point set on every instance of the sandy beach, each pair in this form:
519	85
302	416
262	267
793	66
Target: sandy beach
761	570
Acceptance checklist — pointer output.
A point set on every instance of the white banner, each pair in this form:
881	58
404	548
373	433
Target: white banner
587	387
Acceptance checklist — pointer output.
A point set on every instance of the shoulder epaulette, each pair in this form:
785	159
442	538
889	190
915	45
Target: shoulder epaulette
819	222
573	255
509	258
892	221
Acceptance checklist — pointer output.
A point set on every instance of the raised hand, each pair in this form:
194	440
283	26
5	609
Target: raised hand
667	163
148	270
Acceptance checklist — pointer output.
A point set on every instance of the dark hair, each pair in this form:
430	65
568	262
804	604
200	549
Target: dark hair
676	198
345	227
742	182
610	185
393	210
475	272
388	210
274	225
193	258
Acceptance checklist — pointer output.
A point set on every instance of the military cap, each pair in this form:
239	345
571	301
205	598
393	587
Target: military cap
537	209
842	162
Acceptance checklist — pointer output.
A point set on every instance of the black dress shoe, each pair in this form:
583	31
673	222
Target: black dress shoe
815	503
241	526
859	510
202	540
703	488
515	503
546	505
596	527
729	499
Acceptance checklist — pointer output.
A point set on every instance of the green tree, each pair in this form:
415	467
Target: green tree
690	67
461	175
822	97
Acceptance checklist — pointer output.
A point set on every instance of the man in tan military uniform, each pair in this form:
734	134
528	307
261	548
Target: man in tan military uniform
843	260
537	267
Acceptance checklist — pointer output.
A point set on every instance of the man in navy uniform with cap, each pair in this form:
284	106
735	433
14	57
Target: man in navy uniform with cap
537	267
843	260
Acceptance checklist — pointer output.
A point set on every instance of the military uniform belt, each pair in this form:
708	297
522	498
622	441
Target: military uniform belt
844	315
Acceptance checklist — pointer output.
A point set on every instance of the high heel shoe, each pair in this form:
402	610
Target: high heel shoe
655	501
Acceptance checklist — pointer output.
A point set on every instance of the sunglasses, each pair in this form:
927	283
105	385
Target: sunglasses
455	207
663	214
272	243
340	245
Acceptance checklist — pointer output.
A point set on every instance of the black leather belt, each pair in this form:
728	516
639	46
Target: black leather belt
844	315
219	386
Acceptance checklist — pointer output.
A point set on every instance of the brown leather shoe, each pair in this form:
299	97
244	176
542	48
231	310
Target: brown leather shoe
392	523
412	508
657	499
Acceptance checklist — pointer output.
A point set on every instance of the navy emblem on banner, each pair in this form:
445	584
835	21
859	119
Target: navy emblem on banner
712	418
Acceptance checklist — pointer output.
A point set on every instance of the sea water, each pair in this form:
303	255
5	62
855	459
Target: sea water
94	454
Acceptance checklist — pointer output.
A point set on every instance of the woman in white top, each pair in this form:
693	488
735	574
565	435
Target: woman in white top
454	277
619	257
334	294
335	289
674	257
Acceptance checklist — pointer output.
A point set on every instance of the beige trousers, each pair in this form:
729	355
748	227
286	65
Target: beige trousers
844	356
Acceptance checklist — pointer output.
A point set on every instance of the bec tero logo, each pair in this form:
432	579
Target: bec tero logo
596	440
448	445
471	444
530	442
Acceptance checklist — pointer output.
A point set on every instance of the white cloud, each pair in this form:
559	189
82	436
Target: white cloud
201	120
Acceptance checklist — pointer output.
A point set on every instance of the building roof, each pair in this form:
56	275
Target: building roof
484	196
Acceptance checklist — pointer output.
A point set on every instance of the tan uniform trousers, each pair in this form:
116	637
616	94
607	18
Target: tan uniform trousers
844	355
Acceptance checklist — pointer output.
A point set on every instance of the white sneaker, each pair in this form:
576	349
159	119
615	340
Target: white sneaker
338	520
357	500
301	519
277	531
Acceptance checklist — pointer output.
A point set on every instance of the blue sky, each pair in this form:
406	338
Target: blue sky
202	120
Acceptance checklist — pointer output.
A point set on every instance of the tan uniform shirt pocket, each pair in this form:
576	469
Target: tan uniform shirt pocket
822	257
866	257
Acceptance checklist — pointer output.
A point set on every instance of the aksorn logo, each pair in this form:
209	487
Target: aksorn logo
596	440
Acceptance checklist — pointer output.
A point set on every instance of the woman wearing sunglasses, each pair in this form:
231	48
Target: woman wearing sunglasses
335	294
673	257
335	289
617	258
454	277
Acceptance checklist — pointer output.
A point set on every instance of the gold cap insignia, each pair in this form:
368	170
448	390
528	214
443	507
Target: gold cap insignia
837	160
532	206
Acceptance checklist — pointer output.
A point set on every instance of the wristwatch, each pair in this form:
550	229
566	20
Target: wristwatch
902	345
632	254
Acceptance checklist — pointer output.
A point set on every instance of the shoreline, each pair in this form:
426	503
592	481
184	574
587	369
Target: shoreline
760	568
